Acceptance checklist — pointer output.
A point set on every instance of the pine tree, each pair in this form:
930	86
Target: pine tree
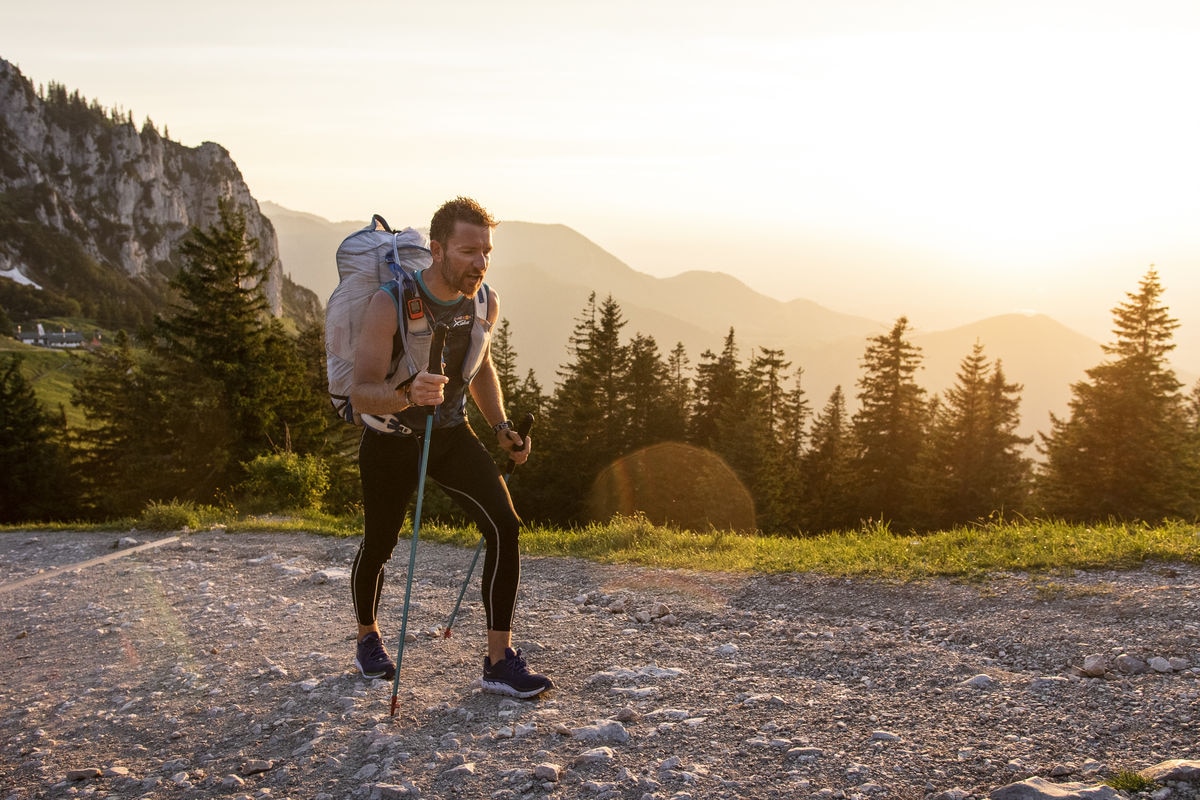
1123	450
889	425
504	358
219	383
679	386
716	397
140	442
584	429
654	415
827	467
769	439
521	396
292	400
33	468
973	463
262	397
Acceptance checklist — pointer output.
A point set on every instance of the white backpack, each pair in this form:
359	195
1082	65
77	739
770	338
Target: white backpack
366	260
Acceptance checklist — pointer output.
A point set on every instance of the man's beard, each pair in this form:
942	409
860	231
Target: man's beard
467	283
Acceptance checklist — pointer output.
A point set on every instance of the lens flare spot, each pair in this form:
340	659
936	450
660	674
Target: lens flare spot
673	484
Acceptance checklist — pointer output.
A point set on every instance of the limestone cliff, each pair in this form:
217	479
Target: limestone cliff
92	181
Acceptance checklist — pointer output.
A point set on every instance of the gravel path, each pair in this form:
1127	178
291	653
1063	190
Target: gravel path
219	665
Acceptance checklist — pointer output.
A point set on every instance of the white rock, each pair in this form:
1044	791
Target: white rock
951	794
1180	770
329	575
83	774
597	755
1095	666
603	731
1131	665
981	681
1042	789
805	753
547	772
652	671
1160	664
257	765
460	772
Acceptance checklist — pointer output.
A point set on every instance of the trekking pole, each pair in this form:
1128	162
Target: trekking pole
435	368
523	430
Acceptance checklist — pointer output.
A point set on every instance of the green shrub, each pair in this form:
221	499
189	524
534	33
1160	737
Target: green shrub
176	515
1129	781
285	481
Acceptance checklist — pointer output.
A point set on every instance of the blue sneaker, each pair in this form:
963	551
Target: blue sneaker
512	677
372	660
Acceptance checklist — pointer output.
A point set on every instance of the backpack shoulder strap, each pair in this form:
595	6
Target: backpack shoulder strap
395	292
482	299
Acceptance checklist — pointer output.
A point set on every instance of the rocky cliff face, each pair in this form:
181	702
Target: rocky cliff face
126	196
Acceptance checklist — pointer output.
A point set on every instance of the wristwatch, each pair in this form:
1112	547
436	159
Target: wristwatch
503	426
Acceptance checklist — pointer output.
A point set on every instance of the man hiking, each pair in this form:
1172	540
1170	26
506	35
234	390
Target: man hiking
390	451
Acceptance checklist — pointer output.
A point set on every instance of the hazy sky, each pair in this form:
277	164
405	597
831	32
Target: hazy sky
945	160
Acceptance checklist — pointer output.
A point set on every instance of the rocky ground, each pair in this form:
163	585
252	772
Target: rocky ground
219	665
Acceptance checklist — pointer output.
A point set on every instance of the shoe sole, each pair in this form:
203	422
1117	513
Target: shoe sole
496	687
386	674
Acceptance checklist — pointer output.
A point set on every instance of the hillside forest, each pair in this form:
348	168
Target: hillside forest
216	402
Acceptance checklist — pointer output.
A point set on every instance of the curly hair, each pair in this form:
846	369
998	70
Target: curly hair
460	209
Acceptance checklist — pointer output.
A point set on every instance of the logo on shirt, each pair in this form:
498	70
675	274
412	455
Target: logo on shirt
462	320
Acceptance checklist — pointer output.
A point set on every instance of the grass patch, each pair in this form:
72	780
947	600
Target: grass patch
968	553
1129	781
52	375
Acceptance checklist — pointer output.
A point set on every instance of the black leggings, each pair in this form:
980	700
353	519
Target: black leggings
463	467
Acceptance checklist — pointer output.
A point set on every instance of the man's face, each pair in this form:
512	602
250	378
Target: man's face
463	260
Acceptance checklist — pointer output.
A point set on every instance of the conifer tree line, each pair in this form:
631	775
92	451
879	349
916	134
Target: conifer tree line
194	405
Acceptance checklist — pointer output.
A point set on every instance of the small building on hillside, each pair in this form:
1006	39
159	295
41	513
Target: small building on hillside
62	338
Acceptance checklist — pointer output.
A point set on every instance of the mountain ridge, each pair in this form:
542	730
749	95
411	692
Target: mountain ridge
94	209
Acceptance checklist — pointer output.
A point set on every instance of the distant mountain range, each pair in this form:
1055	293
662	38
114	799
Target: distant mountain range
544	273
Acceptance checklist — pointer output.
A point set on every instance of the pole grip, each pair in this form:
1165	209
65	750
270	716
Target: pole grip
523	428
436	347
